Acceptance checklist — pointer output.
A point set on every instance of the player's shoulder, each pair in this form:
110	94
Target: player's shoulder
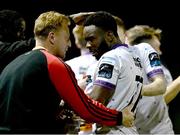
110	55
144	49
74	60
143	46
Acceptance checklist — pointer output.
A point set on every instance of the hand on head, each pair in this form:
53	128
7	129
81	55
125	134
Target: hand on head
80	17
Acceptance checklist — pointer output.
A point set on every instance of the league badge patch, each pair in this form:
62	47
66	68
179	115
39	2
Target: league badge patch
154	59
105	71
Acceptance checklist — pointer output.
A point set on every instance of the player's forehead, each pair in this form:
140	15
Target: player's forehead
91	30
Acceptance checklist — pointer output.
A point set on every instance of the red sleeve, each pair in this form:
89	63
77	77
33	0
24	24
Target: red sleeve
90	110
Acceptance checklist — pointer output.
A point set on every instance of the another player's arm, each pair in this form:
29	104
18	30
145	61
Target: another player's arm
172	90
104	85
156	87
64	81
101	94
105	81
153	69
79	18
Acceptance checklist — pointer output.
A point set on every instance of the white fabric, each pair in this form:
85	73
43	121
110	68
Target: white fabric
122	79
167	74
80	64
152	113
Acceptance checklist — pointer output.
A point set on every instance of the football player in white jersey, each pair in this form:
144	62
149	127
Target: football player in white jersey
173	87
120	30
81	63
118	78
142	33
152	113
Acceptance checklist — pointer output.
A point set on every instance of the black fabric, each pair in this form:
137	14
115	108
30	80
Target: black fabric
29	102
9	51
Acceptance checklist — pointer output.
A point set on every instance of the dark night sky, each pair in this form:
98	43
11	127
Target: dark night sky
163	15
160	15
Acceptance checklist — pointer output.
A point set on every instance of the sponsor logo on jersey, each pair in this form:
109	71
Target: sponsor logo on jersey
154	59
105	71
137	62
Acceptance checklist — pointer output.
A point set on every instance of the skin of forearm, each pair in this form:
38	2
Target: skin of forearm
172	90
101	94
157	87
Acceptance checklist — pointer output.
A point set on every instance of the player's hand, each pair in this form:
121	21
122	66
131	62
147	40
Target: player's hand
83	82
128	116
80	17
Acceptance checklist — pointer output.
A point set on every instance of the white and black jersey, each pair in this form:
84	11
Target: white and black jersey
118	69
152	113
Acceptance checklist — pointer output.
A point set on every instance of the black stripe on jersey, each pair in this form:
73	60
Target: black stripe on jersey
135	104
139	79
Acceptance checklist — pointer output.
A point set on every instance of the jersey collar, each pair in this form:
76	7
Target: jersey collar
119	45
39	48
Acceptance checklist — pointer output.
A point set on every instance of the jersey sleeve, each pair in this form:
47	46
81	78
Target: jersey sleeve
107	72
65	83
152	63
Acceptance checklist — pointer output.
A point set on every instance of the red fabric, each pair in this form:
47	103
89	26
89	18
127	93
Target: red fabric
64	80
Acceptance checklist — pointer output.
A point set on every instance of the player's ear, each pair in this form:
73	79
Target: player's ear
51	37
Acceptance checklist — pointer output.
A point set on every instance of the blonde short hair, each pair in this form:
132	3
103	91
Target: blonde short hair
139	33
49	21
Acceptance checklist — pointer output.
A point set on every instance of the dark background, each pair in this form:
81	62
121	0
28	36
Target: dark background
159	14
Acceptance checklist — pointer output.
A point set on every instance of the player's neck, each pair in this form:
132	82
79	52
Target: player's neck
85	51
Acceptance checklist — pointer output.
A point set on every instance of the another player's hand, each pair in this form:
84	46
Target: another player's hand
80	17
83	82
128	116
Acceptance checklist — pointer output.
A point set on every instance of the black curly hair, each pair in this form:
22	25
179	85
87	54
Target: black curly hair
103	20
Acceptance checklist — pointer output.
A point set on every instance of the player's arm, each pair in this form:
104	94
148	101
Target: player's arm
101	94
172	90
82	83
79	18
64	81
153	68
156	87
105	79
